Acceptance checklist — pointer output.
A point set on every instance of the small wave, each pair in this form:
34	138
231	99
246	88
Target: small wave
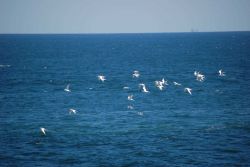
215	128
2	65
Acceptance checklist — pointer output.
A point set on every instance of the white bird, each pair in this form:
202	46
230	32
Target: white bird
67	88
144	89
136	74
43	130
164	82
101	78
188	90
130	97
199	77
159	84
140	113
221	73
195	73
177	84
160	87
72	111
130	107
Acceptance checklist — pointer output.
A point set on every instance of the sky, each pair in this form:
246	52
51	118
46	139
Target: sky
123	16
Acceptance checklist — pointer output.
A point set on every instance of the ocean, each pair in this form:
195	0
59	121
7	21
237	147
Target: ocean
211	127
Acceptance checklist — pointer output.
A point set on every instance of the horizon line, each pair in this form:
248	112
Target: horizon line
110	33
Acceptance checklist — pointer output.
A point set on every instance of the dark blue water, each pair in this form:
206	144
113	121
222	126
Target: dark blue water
209	128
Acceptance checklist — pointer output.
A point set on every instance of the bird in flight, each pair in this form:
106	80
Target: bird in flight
221	73
188	90
144	89
72	111
136	74
161	84
130	107
43	130
199	77
177	84
101	78
130	97
67	88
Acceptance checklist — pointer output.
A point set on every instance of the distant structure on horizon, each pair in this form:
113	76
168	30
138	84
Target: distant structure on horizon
194	30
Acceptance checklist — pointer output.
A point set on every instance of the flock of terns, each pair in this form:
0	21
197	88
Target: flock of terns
159	84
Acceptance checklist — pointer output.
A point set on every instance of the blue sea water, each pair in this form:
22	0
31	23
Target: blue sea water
211	127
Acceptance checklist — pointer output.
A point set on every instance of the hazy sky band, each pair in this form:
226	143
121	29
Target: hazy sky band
123	16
